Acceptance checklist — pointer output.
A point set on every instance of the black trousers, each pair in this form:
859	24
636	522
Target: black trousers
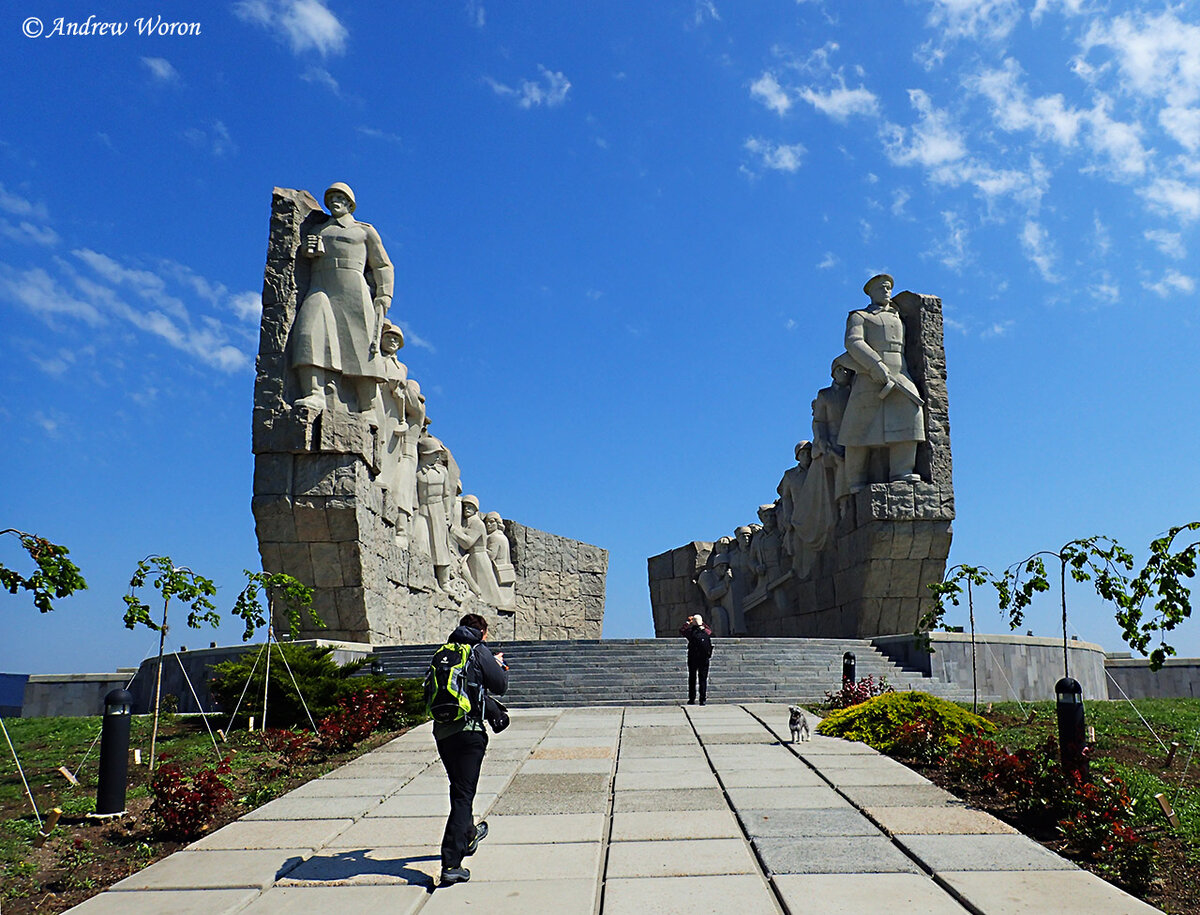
462	755
697	669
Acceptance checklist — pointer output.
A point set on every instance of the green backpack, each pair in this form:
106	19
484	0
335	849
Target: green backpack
447	692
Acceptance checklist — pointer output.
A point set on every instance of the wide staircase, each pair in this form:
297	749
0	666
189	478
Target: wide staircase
654	671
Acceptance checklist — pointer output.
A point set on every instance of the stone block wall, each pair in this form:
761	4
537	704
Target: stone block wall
1132	677
674	594
322	516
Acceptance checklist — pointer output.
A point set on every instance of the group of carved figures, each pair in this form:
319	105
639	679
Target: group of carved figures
871	417
344	352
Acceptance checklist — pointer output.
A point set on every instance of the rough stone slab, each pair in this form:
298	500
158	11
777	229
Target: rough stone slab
348	787
540	802
796	775
304	900
647	781
565	766
931	821
678	799
542	752
314	808
1033	893
515	897
867	894
900	796
562	783
680	858
681	765
745	894
792	822
982	853
415	865
390	832
272	834
821	745
187	870
533	862
167	902
833	855
680	824
720	738
679	750
743	755
372	766
534	829
785	798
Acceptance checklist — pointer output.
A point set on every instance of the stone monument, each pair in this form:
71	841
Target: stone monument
862	523
352	494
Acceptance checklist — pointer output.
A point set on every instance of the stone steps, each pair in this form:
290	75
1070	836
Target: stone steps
654	671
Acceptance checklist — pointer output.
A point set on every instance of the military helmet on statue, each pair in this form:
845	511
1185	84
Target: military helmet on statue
341	188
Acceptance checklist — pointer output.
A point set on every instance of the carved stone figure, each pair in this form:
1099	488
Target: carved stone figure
436	498
338	324
498	551
766	549
885	407
816	505
401	412
742	582
789	489
715	584
471	536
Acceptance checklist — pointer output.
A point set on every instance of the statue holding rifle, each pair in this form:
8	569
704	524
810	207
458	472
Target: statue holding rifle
885	409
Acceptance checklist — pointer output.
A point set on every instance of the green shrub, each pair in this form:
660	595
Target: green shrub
881	722
322	681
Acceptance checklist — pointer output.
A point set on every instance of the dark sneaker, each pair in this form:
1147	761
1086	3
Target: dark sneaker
452	875
481	832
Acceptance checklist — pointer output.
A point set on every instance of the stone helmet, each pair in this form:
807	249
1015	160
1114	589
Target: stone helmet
803	446
878	278
429	444
392	330
494	516
345	189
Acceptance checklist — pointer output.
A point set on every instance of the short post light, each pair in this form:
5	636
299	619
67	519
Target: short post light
114	753
1072	739
848	669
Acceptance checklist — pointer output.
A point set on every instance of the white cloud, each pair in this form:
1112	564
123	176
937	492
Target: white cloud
1174	198
247	306
376	134
841	103
1169	243
993	20
1119	141
932	141
161	69
41	294
27	233
304	24
16	205
952	251
476	14
705	11
1102	235
319	76
777	156
997	329
768	91
1105	293
1158	55
47	424
532	94
1035	242
1182	125
900	199
412	338
1173	282
1049	116
830	260
216	139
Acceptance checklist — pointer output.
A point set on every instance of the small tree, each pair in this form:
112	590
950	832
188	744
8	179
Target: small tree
55	576
1162	577
949	587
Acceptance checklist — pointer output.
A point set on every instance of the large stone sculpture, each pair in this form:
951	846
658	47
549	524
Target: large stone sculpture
864	515
435	501
884	409
500	554
714	582
402	413
471	536
338	326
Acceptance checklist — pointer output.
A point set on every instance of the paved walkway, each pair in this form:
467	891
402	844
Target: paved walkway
635	811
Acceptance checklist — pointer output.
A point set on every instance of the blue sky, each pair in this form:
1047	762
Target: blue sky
626	236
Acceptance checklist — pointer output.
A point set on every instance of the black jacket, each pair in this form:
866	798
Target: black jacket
483	668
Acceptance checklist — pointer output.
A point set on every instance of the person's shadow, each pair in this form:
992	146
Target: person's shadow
346	865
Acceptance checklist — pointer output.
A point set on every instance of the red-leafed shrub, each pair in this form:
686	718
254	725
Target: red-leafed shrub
185	805
358	716
853	693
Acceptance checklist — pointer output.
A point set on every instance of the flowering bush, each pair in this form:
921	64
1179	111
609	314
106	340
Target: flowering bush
1098	828
853	693
294	748
357	717
184	806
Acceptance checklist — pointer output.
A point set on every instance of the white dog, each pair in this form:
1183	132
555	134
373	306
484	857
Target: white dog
798	723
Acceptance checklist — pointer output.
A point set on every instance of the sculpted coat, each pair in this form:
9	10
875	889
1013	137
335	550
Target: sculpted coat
881	409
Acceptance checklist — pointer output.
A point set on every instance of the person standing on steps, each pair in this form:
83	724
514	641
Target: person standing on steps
461	745
700	649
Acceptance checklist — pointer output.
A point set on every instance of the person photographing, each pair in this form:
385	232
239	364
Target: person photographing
700	649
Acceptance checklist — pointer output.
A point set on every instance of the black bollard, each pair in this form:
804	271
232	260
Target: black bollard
1072	740
848	669
114	753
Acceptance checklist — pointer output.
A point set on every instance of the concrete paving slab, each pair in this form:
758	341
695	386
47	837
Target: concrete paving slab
565	766
936	821
740	756
541	752
515	897
866	894
390	832
517	753
304	900
189	870
272	834
314	808
683	765
167	902
662	751
680	858
679	799
545	828
680	824
833	855
417	805
636	737
711	738
348	787
373	768
746	894
900	796
437	783
562	782
820	746
872	775
537	862
1036	893
982	853
415	865
541	802
797	775
829	822
799	798
644	781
